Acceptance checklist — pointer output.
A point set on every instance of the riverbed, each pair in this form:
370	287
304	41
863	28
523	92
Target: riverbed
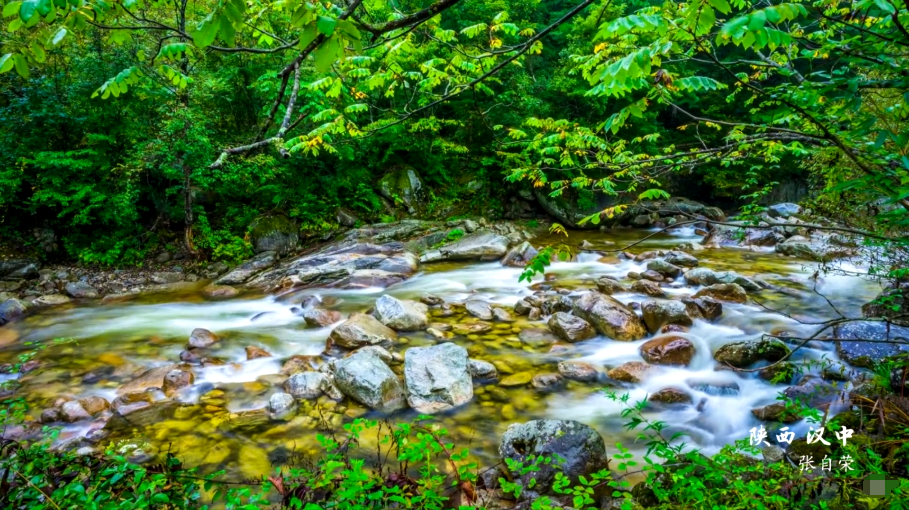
91	348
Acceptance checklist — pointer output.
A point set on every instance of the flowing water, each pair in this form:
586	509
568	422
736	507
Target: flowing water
91	350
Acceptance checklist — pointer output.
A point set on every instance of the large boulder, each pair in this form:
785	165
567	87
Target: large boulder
19	269
437	377
853	350
401	315
363	377
581	447
248	269
610	317
657	314
820	248
480	245
742	281
360	330
732	292
402	184
891	304
274	233
668	350
570	328
744	354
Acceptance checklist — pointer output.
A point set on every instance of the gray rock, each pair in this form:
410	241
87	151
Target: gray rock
609	285
201	338
73	411
570	328
820	249
743	354
656	314
680	259
700	276
547	383
405	263
360	330
306	385
783	210
866	354
581	447
401	315
480	245
648	288
610	317
664	268
51	300
380	352
280	405
742	281
248	269
319	318
578	371
11	309
479	309
724	292
165	277
437	377
81	290
502	315
482	369
19	269
366	379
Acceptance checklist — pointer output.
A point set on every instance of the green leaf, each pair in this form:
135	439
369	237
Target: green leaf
11	9
58	36
28	9
326	25
349	30
720	5
227	31
38	51
21	65
6	63
325	55
308	36
205	33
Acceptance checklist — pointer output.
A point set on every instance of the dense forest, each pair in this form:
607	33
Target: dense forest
131	127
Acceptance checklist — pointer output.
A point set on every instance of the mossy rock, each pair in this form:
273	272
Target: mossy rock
402	185
274	233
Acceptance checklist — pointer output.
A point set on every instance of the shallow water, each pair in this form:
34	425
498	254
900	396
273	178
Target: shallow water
225	427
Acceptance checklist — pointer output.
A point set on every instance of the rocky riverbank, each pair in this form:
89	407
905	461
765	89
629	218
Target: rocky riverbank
432	355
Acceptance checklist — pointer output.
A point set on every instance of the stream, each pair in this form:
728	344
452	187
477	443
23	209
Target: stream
222	424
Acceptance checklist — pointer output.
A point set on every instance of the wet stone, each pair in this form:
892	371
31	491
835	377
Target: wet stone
548	382
578	371
519	379
253	352
671	396
632	372
201	338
